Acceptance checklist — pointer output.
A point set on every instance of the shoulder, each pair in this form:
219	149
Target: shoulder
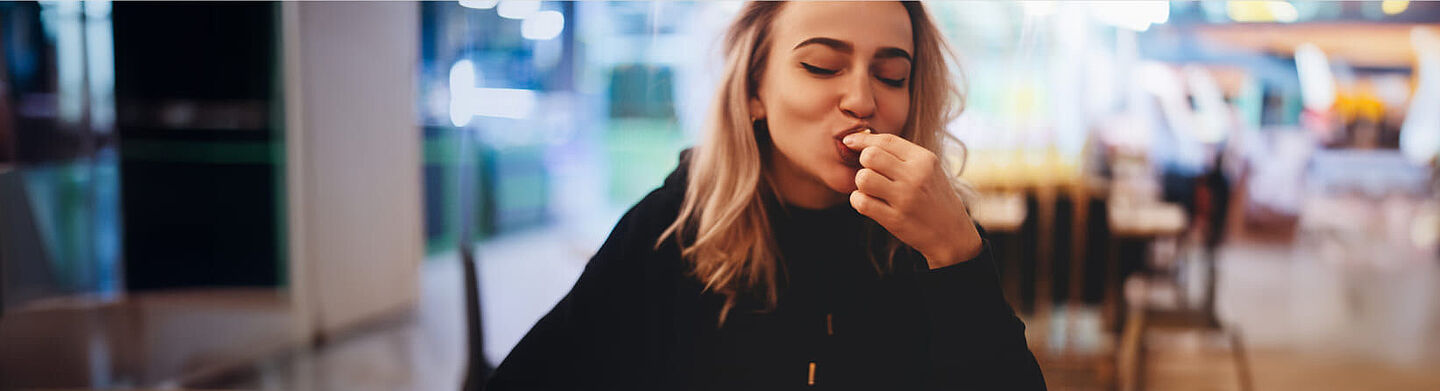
645	221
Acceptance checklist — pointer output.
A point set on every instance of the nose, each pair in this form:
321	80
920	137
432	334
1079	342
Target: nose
859	99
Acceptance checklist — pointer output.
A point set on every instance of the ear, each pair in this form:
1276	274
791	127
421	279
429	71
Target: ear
757	108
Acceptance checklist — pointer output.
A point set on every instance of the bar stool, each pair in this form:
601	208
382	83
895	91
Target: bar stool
1150	223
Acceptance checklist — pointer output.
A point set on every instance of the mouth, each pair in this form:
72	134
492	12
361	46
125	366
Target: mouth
850	157
862	127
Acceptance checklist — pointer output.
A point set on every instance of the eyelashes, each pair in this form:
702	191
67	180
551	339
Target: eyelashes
818	70
891	82
831	72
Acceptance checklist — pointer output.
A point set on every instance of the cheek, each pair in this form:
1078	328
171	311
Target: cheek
802	99
894	107
796	115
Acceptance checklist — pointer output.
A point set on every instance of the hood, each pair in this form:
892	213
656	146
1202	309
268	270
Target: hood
677	180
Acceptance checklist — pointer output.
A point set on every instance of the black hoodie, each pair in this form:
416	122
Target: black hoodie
637	320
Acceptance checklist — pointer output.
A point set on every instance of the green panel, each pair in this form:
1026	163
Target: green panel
641	152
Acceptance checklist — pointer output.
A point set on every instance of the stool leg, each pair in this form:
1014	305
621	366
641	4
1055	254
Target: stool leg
1131	351
1076	295
1110	309
1242	363
1044	287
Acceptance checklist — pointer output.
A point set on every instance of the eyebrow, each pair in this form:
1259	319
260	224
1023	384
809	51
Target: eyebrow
846	47
893	52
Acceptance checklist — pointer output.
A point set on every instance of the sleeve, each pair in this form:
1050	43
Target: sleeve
976	340
594	338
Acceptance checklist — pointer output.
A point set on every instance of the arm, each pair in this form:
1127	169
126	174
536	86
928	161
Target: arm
976	340
594	338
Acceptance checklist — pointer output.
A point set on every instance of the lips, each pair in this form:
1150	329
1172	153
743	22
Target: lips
849	156
853	129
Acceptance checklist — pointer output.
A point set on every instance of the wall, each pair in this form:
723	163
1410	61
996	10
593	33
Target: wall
353	174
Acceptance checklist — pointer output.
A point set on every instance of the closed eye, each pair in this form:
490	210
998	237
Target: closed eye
892	82
818	70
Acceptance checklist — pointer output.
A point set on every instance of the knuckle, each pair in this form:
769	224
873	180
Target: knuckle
926	166
867	156
889	139
929	159
925	170
859	202
864	178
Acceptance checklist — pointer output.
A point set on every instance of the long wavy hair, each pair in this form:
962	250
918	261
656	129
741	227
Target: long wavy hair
723	229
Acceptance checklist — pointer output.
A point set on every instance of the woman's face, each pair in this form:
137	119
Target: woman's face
833	69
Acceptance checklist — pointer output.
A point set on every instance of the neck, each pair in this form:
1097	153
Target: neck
797	188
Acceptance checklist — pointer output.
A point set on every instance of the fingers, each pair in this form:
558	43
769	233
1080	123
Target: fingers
884	163
876	185
874	208
900	147
894	157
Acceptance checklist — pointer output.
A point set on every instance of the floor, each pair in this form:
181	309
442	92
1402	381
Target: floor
1307	320
141	341
1351	302
521	276
1310	323
420	350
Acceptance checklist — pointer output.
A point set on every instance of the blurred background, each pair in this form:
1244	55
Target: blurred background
1217	195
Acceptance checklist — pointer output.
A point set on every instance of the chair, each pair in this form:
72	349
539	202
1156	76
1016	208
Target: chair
1152	224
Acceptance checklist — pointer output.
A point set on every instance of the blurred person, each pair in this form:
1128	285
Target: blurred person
814	240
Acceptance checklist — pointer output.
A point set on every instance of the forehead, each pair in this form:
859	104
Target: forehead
865	24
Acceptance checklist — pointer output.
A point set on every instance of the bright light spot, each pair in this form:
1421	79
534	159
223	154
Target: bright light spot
517	9
1284	11
1211	112
1420	133
1317	83
503	102
1132	15
462	89
543	25
1261	11
479	4
462	74
467	101
1394	7
68	32
1158	79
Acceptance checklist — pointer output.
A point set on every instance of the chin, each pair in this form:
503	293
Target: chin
841	179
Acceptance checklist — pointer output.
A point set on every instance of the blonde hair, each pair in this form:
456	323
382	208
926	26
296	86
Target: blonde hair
723	229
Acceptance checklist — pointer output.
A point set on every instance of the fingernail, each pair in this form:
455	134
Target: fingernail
849	139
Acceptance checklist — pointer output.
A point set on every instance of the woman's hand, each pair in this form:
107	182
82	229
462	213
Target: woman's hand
902	187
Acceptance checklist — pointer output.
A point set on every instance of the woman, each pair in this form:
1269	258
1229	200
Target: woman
813	241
